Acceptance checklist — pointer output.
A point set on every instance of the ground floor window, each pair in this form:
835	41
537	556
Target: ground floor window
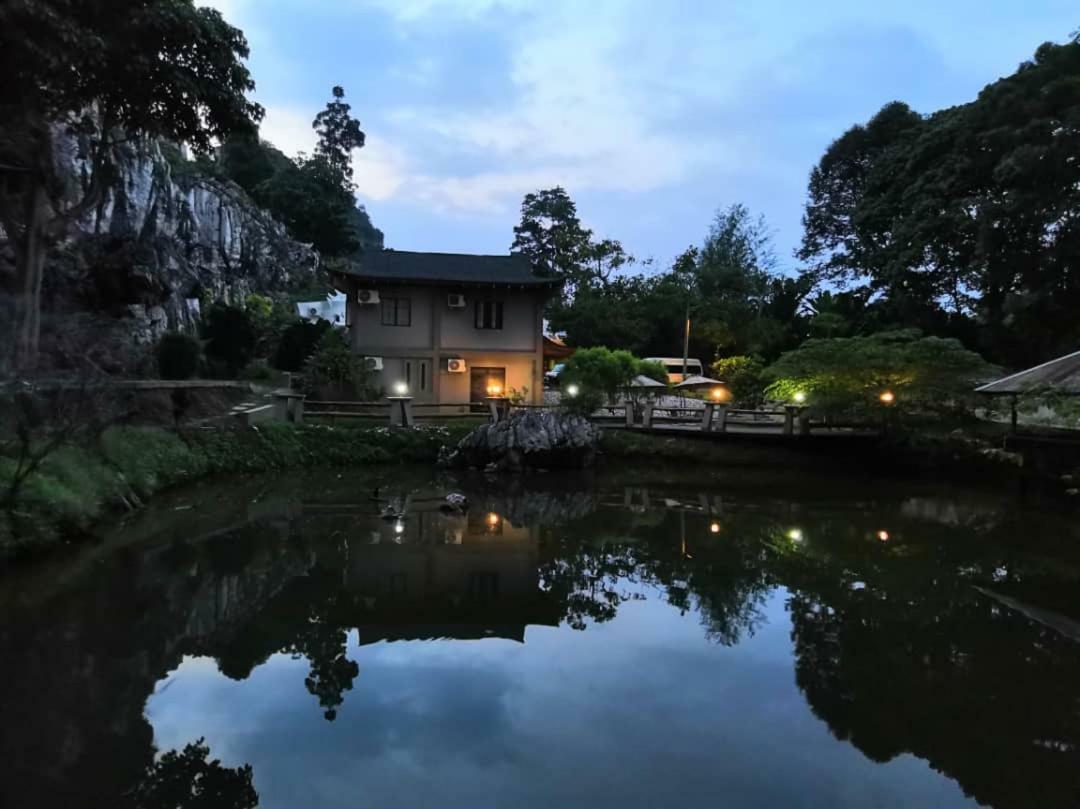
485	382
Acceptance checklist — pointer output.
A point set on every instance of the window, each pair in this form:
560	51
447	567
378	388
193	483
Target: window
396	312
489	314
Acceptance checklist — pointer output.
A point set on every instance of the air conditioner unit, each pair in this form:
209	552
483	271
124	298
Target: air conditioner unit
373	363
455	366
367	296
455	300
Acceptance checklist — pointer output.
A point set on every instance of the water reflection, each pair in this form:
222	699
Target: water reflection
891	645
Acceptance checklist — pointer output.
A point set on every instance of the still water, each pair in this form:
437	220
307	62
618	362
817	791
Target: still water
647	640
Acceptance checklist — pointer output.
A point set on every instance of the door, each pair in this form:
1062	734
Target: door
418	378
483	380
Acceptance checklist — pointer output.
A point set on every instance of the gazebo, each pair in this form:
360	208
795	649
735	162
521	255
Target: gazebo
1060	377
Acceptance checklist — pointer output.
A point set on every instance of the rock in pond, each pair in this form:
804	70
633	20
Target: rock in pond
529	439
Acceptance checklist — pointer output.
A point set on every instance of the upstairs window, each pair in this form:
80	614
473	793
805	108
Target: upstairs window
396	312
489	314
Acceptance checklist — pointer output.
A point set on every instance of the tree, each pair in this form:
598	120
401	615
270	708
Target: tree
844	373
339	136
551	236
230	338
967	213
187	780
742	375
103	74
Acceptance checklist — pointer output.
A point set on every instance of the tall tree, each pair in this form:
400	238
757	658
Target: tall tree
339	136
551	236
105	73
968	213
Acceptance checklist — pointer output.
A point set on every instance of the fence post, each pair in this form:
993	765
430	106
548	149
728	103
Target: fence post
401	414
629	413
646	417
804	421
789	419
706	417
721	418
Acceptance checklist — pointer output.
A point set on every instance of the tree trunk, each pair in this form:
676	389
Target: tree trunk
29	273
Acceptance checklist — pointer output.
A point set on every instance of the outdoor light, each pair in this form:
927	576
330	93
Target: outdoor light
795	535
883	536
399	527
572	390
493	519
400	388
887	397
714	528
718	394
799	397
494	389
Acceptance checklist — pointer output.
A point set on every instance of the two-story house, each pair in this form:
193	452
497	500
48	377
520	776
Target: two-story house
451	328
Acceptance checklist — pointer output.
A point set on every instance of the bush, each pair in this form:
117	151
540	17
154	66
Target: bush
742	375
230	339
600	370
848	374
335	370
298	342
178	356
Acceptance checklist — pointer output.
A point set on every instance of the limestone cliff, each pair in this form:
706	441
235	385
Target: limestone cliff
164	237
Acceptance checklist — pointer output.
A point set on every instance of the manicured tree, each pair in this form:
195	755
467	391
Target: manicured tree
106	73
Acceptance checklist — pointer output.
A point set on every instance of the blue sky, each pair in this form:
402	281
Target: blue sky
652	114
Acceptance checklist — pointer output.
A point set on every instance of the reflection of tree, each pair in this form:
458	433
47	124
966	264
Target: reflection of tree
186	780
912	659
332	673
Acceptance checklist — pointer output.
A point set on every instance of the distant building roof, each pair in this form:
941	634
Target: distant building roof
1061	376
462	269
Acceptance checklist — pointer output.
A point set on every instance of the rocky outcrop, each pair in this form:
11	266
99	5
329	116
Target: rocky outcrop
529	439
164	237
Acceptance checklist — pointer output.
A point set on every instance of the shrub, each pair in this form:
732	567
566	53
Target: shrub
230	338
298	342
335	370
178	356
742	375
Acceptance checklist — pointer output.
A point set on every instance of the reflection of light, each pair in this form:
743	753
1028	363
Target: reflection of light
494	389
795	535
714	528
887	397
492	519
883	536
572	390
400	388
399	527
799	397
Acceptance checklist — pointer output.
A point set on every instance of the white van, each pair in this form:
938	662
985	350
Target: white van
674	366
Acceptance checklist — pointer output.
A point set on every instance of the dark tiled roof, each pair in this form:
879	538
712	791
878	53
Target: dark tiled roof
1060	376
389	266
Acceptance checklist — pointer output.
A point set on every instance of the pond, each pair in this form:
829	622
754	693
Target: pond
648	639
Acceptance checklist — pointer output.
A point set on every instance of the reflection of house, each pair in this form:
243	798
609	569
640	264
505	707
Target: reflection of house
451	327
447	577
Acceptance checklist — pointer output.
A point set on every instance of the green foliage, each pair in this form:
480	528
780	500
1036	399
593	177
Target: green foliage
849	373
742	376
230	336
518	396
964	214
188	779
653	369
335	370
600	369
178	356
297	343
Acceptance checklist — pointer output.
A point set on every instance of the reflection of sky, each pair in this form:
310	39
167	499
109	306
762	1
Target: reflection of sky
640	711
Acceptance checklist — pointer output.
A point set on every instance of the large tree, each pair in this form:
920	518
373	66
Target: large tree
552	237
104	73
970	212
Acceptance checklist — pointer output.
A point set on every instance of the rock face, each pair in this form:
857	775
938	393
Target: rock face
529	439
164	237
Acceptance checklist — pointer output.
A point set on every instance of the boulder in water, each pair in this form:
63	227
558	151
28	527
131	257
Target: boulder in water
529	439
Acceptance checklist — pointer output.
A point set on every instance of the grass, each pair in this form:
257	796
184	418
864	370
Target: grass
77	485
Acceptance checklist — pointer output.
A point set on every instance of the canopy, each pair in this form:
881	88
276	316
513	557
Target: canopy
698	382
1061	376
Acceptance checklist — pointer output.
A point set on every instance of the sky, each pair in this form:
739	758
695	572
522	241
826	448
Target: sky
653	115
